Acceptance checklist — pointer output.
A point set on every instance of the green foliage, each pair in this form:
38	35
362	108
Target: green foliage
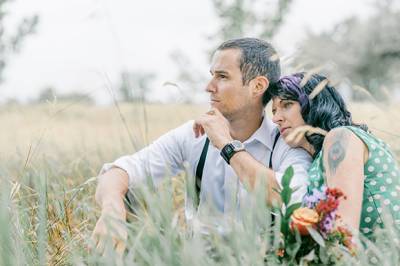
46	217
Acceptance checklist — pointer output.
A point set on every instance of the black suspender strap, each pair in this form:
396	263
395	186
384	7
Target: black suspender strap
199	169
200	165
273	147
270	166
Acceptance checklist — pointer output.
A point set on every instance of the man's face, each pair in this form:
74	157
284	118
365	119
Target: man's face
227	92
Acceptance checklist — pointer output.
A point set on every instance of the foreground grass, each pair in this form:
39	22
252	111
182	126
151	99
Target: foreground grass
49	154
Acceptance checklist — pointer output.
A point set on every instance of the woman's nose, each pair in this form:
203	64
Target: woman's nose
277	117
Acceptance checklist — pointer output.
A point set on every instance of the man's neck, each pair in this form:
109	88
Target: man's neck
243	127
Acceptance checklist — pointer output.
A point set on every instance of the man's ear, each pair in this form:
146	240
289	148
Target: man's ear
261	84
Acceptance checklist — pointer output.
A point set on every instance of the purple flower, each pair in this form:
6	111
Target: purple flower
311	200
326	224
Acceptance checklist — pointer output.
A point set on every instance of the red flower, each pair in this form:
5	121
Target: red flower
335	192
327	206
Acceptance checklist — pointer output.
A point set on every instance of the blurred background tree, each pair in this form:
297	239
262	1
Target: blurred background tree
11	41
237	18
365	52
135	86
50	94
255	18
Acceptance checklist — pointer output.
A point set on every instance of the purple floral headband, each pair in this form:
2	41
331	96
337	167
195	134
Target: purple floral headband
292	83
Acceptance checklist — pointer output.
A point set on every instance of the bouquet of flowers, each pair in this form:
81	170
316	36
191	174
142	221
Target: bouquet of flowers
310	231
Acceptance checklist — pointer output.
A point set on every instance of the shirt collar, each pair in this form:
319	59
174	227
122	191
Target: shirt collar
265	133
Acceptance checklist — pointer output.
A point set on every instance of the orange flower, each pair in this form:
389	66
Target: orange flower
280	252
303	218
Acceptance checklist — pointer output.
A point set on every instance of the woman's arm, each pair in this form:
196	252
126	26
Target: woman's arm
344	155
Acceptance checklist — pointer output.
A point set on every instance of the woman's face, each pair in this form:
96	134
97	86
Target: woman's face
287	115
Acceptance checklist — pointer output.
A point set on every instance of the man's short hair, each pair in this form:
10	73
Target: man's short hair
258	58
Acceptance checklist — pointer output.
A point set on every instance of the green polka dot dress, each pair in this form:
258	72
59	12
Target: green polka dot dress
381	182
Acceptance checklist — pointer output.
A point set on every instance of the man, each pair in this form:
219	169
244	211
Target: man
241	140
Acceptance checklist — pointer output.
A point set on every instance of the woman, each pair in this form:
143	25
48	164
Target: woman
346	155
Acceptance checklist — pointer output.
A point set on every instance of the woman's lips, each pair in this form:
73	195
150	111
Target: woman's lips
283	130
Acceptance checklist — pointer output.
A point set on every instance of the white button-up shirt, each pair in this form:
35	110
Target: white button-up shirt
179	150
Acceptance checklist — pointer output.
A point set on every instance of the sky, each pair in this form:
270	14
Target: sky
82	45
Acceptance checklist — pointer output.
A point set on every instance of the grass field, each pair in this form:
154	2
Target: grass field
48	154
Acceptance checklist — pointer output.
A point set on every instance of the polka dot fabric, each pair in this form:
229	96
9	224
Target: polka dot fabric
381	182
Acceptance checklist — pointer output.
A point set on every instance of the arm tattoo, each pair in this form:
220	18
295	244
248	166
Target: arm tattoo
337	151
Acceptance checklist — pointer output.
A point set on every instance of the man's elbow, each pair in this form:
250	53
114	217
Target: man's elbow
113	183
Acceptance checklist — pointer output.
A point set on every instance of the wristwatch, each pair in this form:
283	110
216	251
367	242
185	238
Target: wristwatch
230	149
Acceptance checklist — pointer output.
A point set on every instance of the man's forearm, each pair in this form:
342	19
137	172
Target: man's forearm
111	190
249	170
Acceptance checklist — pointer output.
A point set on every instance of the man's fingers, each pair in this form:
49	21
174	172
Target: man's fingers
198	127
217	112
93	242
94	238
198	130
120	247
294	135
100	246
211	112
195	130
300	136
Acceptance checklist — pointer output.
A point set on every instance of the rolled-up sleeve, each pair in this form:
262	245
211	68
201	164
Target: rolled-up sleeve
162	158
300	160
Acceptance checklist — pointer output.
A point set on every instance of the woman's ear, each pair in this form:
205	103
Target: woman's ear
261	84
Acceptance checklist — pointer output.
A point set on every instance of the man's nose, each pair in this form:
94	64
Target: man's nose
211	86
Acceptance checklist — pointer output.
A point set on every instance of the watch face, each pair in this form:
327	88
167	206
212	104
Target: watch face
237	145
229	150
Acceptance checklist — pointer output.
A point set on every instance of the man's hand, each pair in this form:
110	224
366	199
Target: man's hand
297	138
111	189
111	226
215	125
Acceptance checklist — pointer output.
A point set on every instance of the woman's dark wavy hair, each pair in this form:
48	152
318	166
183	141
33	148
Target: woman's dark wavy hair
327	110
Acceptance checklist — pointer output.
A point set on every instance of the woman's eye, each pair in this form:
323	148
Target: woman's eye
273	111
287	104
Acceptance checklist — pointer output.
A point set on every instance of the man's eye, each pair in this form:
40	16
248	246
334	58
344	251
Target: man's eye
273	111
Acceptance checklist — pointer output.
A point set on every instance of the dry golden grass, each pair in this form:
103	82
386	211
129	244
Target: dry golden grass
30	132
